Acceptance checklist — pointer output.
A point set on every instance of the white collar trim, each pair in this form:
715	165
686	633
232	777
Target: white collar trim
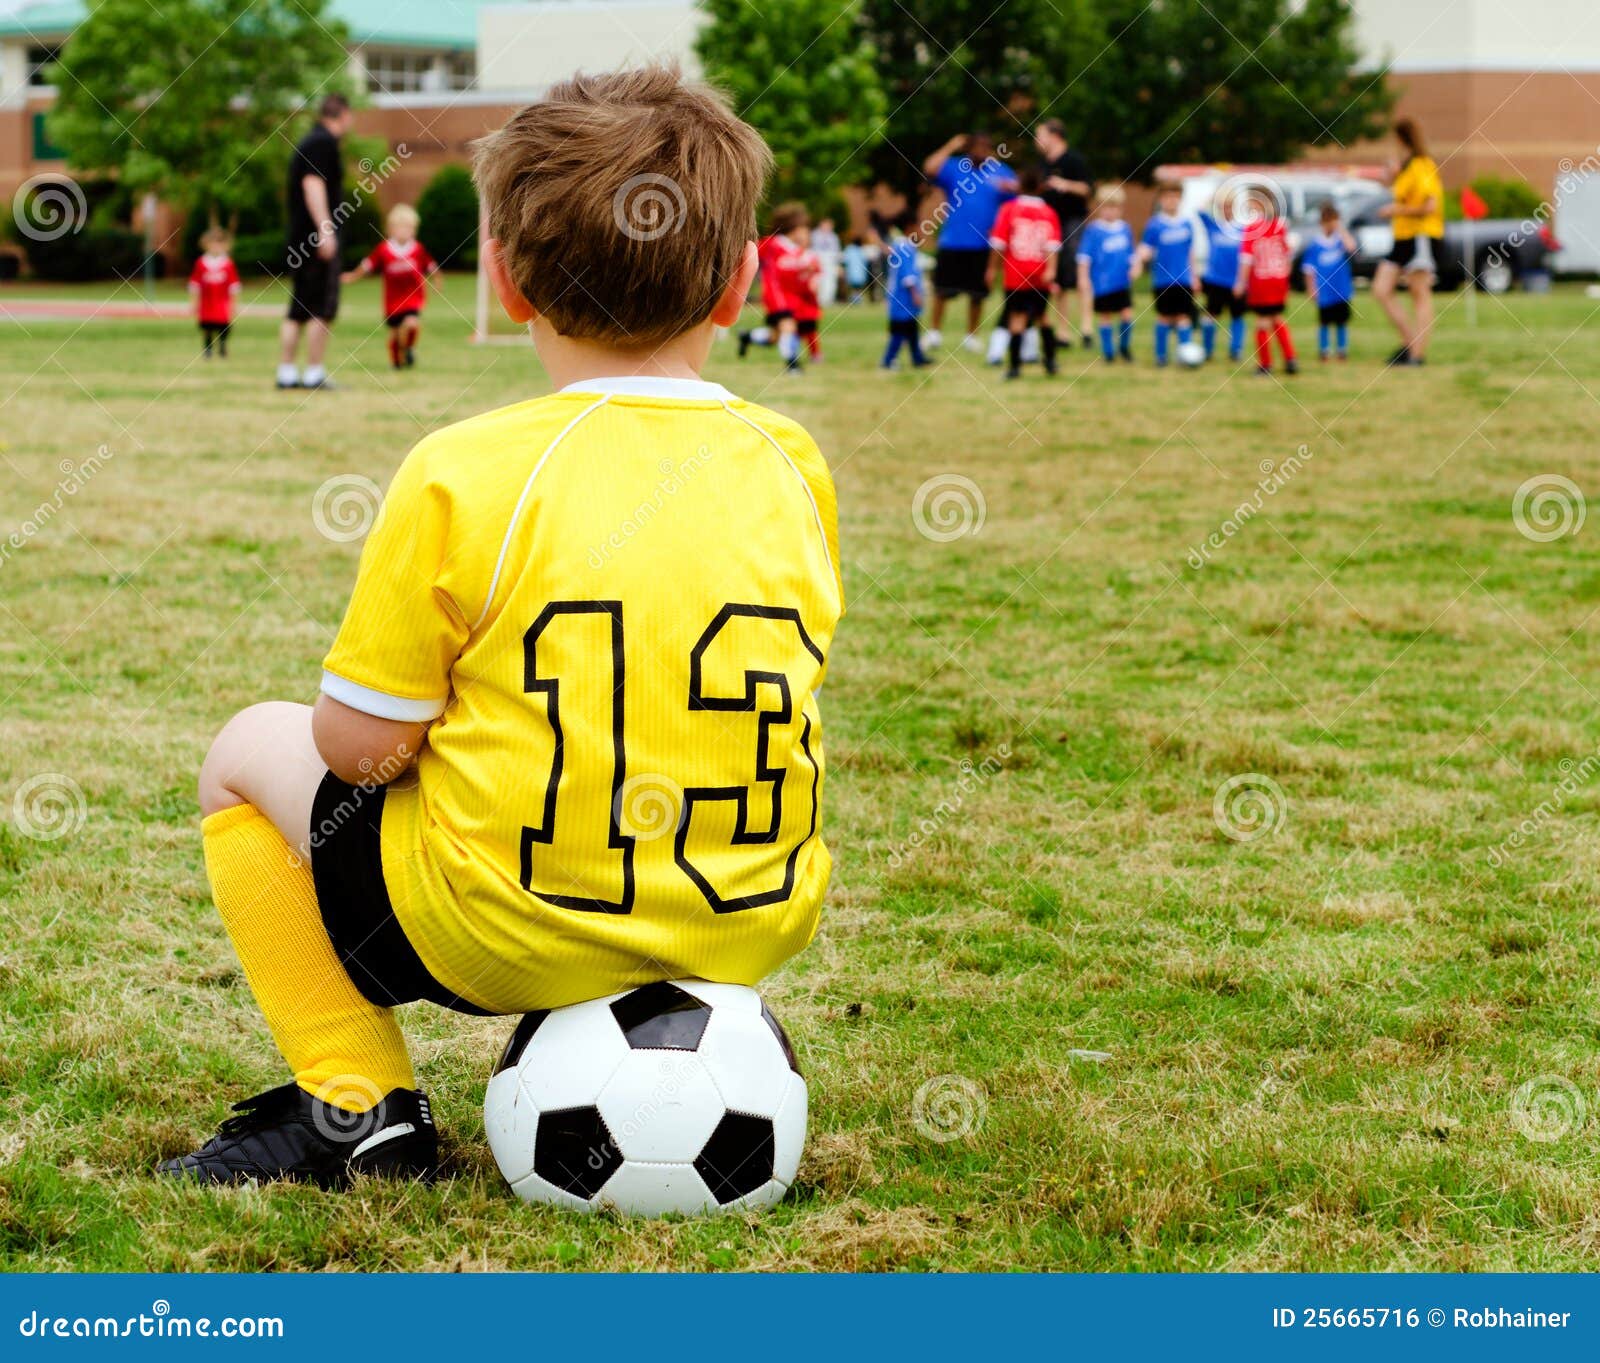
652	386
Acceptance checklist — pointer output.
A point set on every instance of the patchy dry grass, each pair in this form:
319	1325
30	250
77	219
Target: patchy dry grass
1165	1046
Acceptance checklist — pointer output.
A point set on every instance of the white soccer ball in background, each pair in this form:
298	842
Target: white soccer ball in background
674	1097
1191	354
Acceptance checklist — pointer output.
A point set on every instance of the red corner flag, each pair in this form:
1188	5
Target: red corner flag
1472	204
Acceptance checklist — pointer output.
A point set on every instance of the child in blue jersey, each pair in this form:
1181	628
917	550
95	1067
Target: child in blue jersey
1217	280
1107	267
1169	245
1329	280
903	275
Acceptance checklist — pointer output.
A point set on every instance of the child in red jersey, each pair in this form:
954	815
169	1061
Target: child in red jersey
406	267
214	284
799	271
1025	242
779	327
1263	283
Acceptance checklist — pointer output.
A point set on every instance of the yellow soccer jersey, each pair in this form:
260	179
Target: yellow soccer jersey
1417	183
615	603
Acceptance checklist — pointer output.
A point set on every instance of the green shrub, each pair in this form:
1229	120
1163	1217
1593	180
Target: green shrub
449	209
1506	198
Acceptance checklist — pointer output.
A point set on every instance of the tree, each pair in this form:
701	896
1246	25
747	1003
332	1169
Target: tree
1138	82
449	209
966	65
802	72
1230	80
191	98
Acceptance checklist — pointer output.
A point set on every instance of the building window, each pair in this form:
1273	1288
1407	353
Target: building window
40	55
402	73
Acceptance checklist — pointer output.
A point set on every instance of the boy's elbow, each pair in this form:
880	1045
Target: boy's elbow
362	749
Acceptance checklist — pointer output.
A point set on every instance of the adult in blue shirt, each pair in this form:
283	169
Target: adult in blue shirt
975	184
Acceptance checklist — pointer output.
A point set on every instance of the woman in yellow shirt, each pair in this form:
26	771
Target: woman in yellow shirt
1418	216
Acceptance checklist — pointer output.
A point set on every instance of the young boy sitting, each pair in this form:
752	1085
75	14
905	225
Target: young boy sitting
458	819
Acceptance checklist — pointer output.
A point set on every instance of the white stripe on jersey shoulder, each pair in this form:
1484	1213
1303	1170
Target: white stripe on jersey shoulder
380	703
652	386
816	511
522	499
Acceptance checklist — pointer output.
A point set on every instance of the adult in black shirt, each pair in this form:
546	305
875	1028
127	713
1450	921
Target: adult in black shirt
315	205
1066	186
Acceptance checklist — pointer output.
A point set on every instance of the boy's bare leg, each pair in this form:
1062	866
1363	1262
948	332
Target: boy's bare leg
265	756
288	341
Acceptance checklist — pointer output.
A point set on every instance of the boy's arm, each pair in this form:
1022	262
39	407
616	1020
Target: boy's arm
363	749
361	271
1311	283
1241	281
1083	278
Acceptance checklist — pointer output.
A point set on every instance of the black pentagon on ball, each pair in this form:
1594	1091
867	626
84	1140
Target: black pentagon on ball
783	1037
661	1016
520	1039
573	1150
738	1157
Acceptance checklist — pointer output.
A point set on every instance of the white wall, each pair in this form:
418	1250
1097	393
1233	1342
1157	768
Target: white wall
526	47
1481	35
13	72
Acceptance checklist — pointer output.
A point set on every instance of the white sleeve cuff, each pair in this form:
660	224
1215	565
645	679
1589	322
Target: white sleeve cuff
380	703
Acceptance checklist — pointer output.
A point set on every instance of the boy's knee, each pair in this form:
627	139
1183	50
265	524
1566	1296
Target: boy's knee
243	736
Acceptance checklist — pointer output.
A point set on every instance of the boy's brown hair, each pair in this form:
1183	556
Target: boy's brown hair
788	216
1164	187
217	239
623	202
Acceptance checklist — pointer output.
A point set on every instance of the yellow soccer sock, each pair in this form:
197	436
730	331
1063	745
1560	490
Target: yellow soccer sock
340	1045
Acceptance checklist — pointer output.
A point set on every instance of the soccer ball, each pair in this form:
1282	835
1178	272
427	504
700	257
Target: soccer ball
1191	354
678	1096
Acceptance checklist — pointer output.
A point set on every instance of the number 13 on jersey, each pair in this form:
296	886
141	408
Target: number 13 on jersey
677	765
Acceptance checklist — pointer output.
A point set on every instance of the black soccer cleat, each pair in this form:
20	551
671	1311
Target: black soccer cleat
287	1133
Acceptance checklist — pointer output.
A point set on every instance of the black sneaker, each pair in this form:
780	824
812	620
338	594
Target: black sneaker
1086	341
744	343
411	358
1291	366
1401	357
287	1133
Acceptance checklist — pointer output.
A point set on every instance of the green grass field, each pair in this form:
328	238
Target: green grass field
1235	916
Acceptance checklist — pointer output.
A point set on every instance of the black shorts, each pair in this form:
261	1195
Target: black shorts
395	319
1334	314
314	291
906	328
806	326
347	868
1220	298
957	272
1267	309
773	318
1175	300
1119	301
1031	303
1414	253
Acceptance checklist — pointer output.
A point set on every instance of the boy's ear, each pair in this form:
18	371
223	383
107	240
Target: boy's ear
516	307
728	307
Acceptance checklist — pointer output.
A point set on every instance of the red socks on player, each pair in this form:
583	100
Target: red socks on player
1264	339
813	345
395	356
